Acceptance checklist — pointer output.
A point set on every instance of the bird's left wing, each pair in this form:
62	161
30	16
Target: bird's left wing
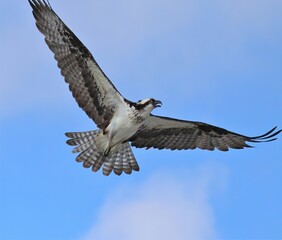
168	133
90	87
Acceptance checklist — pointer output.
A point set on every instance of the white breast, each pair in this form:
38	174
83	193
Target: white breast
123	125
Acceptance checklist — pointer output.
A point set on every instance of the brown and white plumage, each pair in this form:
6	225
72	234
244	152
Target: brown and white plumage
119	120
168	133
90	87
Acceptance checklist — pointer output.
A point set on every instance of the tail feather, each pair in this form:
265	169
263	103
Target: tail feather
74	142
83	156
83	146
118	164
78	138
82	134
131	159
125	163
108	166
121	160
95	157
98	163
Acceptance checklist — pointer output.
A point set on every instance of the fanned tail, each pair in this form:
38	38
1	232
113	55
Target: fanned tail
85	143
121	160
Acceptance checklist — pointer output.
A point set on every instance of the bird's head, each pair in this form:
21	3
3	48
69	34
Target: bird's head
148	104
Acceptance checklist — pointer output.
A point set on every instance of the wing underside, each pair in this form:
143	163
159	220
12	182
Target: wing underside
90	87
168	133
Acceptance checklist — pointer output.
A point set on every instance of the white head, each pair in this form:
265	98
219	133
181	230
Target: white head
147	105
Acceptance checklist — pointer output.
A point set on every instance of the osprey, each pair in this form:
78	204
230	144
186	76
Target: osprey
119	120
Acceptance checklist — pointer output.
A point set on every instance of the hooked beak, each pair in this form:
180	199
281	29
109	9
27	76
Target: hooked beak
158	103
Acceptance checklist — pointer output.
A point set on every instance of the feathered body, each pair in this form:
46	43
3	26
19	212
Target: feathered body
124	124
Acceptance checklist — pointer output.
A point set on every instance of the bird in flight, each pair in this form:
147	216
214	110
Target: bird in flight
121	123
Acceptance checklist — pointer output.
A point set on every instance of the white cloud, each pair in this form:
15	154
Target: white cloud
164	207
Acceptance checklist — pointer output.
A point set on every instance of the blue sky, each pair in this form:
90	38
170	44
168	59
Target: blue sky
212	61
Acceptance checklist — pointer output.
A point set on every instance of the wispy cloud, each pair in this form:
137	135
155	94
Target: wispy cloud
164	207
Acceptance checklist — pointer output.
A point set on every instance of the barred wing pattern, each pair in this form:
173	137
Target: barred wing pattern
168	133
90	87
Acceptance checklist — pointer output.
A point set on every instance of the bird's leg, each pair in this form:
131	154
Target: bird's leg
106	146
107	152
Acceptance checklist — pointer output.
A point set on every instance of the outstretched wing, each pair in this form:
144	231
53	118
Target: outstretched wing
161	132
90	87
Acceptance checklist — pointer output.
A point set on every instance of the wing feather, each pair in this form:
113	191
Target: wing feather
168	133
90	87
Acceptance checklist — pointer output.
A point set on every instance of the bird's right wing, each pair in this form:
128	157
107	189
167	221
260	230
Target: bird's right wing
90	87
168	133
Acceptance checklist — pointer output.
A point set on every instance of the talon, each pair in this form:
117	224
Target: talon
106	152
